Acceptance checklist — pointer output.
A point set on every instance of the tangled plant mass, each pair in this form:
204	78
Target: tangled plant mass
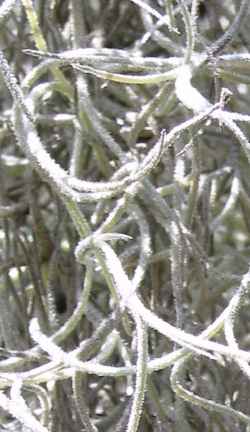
125	200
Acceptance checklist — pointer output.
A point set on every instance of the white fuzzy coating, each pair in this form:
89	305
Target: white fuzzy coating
189	95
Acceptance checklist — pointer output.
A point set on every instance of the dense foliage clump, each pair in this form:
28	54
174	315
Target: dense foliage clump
125	201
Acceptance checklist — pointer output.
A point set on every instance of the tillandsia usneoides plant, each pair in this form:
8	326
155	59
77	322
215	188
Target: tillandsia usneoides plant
124	215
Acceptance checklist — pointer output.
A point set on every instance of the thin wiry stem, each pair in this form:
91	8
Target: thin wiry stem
232	31
200	401
189	31
81	404
141	375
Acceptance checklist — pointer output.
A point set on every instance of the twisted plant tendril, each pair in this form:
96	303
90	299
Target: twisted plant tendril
124	216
